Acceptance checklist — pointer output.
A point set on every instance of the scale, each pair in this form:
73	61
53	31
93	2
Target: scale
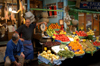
42	27
44	37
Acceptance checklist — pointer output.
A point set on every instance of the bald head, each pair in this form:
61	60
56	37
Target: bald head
27	22
15	37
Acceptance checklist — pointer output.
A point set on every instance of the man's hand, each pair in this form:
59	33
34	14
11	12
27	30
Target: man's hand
21	39
22	55
41	23
18	64
45	23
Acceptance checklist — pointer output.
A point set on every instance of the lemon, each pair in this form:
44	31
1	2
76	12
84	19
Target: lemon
64	32
53	37
66	48
84	40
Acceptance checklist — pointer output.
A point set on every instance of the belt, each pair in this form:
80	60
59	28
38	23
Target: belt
27	44
27	39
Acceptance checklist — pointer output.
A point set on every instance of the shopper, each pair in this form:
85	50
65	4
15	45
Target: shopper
26	32
14	49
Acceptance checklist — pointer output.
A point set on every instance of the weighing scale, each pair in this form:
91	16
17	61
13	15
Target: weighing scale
44	37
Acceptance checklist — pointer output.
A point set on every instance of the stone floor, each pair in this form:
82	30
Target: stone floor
86	60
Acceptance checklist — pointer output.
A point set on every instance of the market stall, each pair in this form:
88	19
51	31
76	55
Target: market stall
67	45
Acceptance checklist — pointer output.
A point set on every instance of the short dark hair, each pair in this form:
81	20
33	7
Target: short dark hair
15	36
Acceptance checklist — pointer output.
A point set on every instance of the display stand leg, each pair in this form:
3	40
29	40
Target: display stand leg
42	47
34	44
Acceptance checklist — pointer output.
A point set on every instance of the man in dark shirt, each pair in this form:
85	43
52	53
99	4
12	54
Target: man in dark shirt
26	31
14	49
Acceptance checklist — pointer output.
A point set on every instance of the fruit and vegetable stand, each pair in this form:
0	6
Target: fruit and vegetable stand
65	45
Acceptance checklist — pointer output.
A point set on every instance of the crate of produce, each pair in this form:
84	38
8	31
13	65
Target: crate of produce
50	44
49	58
57	48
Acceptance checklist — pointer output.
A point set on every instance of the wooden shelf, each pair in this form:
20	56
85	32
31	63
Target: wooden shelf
9	3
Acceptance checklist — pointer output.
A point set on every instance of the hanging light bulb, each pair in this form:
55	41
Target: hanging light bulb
10	9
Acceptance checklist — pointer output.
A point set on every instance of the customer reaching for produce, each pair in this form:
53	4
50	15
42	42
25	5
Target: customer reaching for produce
26	31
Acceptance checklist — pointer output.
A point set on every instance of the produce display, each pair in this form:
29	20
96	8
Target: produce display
57	48
62	32
49	44
90	37
81	33
62	27
50	32
88	46
96	43
70	36
48	55
90	32
62	37
84	45
62	46
76	38
54	26
66	53
76	47
67	45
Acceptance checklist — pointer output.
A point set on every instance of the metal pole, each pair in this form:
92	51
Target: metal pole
19	14
28	5
65	5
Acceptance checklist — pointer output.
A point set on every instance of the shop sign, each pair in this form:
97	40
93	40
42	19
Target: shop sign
90	5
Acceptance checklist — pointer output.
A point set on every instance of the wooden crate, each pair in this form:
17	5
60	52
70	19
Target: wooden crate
10	35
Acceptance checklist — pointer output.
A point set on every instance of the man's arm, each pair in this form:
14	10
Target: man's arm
19	31
41	23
